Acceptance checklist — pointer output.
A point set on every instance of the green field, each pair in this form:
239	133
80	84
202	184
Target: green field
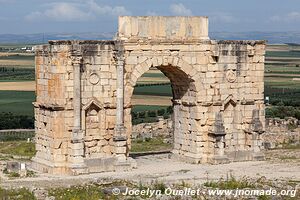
17	102
141	108
29	57
151	75
17	73
154	144
292	53
155	90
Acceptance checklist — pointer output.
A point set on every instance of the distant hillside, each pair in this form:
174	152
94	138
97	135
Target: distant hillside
44	37
272	37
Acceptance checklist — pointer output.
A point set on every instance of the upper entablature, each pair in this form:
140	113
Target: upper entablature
161	27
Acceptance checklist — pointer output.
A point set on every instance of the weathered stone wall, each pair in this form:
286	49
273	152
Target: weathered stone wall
84	91
54	109
278	132
164	128
207	77
281	132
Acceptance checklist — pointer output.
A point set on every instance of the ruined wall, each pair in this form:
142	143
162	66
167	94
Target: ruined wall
207	77
84	91
54	109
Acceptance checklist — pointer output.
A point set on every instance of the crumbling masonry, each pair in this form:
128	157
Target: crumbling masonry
84	91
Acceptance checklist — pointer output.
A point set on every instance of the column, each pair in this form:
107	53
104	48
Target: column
120	94
120	129
120	137
77	95
76	156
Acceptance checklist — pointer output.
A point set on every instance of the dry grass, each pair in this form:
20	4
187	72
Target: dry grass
153	80
19	63
18	86
13	54
151	100
277	47
28	63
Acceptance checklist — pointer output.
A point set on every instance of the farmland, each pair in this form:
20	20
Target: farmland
153	90
17	102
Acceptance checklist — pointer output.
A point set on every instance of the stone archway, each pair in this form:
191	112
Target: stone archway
185	89
84	89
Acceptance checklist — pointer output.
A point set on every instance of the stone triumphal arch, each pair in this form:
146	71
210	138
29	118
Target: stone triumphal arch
84	90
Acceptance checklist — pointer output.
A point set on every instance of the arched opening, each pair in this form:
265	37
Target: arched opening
152	113
181	123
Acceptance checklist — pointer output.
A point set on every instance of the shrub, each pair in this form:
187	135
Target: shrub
161	112
152	114
11	121
166	116
134	115
283	111
170	110
142	114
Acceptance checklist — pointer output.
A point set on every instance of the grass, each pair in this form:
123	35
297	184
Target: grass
18	148
154	75
230	183
152	144
291	146
295	54
89	192
16	194
16	74
16	136
282	82
17	102
287	157
141	108
155	90
18	57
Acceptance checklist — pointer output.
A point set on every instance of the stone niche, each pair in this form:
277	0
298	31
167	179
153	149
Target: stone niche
84	91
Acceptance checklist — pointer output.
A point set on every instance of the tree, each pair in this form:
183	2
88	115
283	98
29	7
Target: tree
152	113
161	112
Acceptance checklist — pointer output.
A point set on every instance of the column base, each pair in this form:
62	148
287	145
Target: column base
46	166
259	156
238	156
95	165
188	157
219	160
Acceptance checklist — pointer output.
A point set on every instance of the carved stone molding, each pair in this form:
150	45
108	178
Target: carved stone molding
231	76
94	78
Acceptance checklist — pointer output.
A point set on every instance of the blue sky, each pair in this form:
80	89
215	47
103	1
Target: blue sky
65	16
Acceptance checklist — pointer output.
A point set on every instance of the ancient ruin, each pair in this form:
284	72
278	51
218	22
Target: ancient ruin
84	91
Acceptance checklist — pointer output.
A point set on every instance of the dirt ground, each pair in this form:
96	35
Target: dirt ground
279	165
151	100
18	86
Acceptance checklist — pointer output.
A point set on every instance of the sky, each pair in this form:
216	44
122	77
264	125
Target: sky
100	16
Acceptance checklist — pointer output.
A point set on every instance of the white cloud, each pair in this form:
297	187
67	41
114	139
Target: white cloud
180	9
82	11
289	17
108	10
60	12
